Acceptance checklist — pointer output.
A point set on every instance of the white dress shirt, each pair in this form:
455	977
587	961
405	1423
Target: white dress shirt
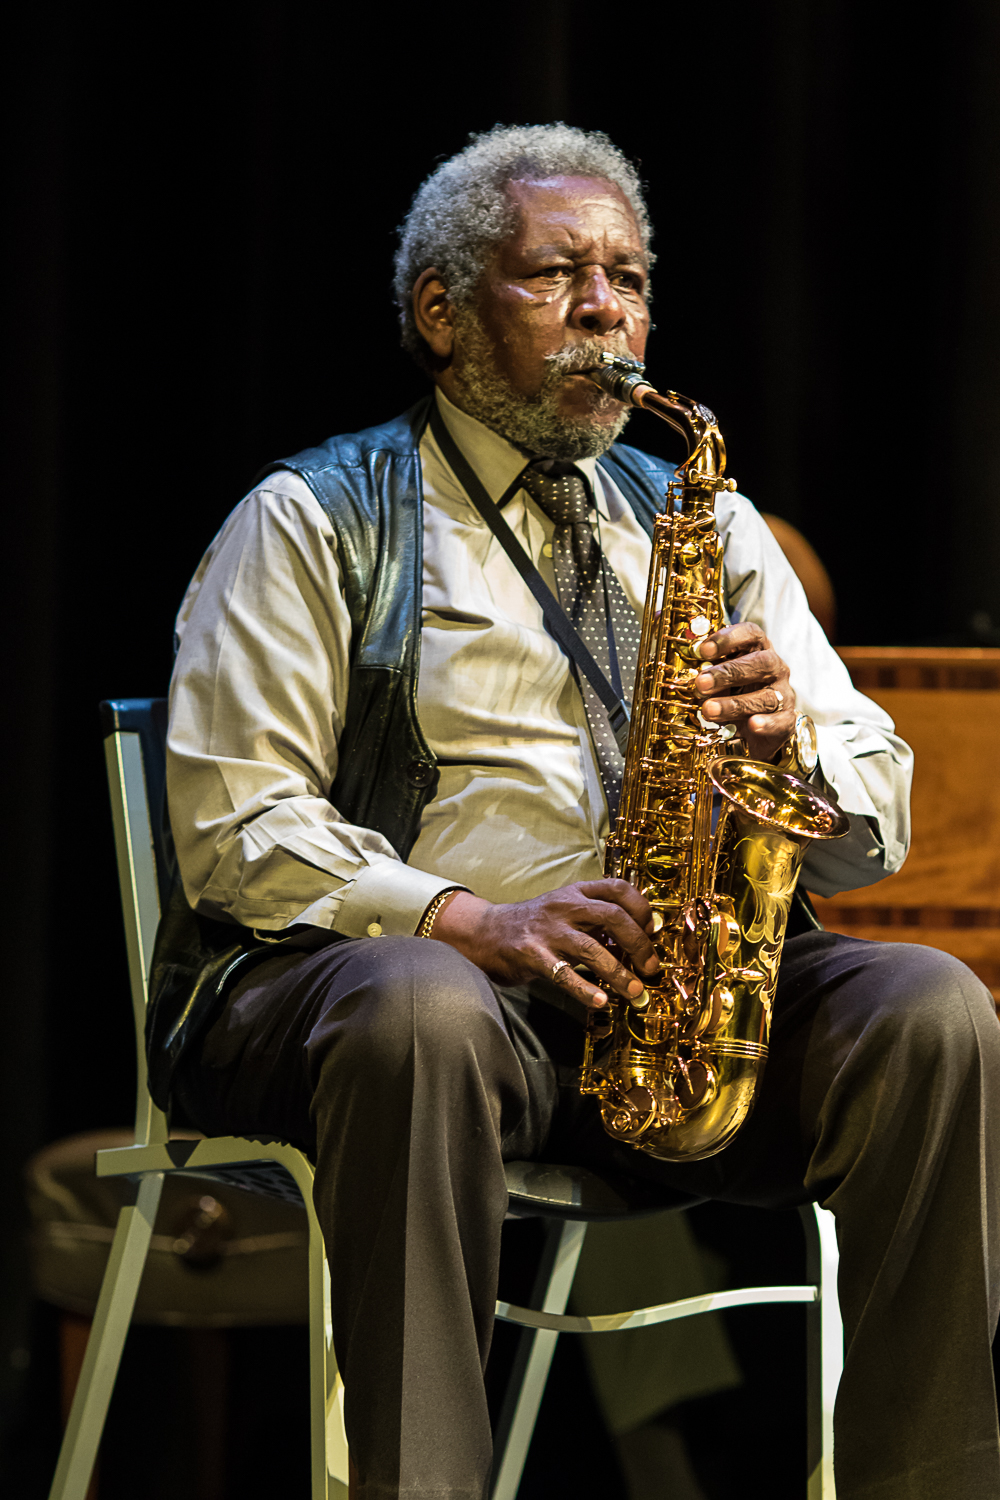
259	692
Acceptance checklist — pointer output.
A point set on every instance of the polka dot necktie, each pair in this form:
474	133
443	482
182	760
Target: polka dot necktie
561	491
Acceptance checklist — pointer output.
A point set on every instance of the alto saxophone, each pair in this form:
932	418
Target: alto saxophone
712	839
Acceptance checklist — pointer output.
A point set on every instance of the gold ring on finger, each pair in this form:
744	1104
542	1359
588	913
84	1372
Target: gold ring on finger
780	696
558	968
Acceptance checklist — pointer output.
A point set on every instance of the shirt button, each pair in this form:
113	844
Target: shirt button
374	929
547	550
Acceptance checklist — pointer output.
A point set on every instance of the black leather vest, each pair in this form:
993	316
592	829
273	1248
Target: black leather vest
369	484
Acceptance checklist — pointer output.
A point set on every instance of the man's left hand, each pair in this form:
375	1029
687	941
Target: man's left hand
745	683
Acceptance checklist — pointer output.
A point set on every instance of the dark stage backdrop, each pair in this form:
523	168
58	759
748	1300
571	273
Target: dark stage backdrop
201	205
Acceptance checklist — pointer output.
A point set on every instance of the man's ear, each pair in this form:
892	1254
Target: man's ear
434	314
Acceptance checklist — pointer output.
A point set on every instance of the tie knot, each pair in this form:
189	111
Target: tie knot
559	489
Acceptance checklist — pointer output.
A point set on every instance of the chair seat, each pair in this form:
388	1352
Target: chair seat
224	1253
569	1192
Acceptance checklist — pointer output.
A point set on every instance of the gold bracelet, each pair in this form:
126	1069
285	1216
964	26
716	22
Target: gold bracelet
430	915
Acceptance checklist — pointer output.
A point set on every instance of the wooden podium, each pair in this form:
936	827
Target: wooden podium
945	702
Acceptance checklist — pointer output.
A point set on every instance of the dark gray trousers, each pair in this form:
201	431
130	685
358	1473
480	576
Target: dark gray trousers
409	1078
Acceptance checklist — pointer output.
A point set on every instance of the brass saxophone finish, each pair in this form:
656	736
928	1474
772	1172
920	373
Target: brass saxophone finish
713	840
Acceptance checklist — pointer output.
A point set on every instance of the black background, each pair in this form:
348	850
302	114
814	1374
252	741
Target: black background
200	215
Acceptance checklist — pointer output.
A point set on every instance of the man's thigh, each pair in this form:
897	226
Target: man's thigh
364	1011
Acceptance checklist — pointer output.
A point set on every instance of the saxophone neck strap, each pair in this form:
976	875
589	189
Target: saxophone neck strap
557	622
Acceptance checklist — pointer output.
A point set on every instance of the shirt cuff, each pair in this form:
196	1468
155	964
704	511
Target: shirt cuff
392	894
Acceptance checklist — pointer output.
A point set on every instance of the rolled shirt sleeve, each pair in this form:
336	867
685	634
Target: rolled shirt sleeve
862	761
257	702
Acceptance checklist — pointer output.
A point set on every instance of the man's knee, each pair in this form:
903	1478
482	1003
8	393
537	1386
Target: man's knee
933	1005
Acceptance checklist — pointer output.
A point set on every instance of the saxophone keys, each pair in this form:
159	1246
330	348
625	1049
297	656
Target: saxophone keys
716	1013
696	1084
723	1001
725	933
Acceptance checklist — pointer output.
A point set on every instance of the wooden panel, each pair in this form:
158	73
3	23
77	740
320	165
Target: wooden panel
953	860
946	704
928	669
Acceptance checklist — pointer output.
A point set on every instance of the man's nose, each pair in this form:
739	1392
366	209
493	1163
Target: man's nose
597	308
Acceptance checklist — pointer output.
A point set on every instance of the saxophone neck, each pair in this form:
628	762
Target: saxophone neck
705	465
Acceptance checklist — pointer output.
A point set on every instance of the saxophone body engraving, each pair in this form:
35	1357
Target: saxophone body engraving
713	839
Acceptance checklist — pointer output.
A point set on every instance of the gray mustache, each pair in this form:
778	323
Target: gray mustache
573	357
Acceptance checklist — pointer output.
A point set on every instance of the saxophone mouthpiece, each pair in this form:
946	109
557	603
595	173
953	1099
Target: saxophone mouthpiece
622	378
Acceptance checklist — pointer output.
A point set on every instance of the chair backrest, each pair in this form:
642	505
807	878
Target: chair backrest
135	732
147	718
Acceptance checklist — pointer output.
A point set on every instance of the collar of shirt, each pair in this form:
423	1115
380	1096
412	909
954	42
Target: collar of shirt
498	462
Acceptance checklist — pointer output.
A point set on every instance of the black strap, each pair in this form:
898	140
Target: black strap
556	620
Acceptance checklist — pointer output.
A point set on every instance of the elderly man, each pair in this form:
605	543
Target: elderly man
375	741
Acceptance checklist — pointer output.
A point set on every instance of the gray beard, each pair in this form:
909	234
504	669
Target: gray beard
534	423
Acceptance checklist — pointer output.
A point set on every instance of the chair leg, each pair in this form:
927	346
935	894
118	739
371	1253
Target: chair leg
536	1346
104	1347
322	1367
74	1331
824	1348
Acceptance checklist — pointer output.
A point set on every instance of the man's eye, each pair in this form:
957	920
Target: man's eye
551	272
628	279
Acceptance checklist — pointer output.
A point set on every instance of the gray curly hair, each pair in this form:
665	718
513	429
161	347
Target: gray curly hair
462	209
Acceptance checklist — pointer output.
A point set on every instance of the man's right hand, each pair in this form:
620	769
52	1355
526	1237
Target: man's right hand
524	940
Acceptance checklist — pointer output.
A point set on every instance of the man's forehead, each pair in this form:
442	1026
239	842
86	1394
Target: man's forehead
534	193
559	208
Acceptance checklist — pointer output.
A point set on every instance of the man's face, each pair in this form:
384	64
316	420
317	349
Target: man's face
568	283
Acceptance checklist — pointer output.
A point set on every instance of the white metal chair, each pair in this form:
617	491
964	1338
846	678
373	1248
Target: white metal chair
567	1197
